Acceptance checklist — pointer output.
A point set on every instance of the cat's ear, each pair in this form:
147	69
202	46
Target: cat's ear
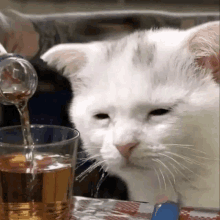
66	58
70	60
204	44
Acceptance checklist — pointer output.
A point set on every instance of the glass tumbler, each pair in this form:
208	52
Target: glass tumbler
40	188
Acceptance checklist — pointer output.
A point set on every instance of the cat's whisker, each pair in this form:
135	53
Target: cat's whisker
172	159
176	169
179	145
166	168
82	178
172	185
158	177
83	175
106	168
191	170
189	160
94	157
181	173
173	167
192	161
186	147
87	157
103	167
95	165
80	165
163	178
84	160
206	158
101	180
89	169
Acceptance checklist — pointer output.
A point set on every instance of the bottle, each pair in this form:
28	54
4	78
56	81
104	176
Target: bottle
18	79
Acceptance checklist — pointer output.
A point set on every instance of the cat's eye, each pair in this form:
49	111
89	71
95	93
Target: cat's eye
160	111
101	116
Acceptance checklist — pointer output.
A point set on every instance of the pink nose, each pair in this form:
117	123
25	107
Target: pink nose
125	150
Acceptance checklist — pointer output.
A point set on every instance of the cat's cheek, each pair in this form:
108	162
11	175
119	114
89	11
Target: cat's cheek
96	137
100	123
155	134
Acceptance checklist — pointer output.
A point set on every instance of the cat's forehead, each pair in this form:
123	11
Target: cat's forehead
145	46
145	67
123	83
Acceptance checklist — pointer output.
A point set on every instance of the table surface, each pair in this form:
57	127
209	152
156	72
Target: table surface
110	209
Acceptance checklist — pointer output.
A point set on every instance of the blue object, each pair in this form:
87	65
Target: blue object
166	211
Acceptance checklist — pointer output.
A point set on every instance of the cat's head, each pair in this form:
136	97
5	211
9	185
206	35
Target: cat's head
151	96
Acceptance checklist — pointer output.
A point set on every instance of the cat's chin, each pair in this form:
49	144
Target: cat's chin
128	166
133	167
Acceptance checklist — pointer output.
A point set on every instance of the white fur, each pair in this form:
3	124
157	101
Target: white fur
127	93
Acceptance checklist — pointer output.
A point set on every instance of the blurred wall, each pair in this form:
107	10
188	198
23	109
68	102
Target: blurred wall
60	6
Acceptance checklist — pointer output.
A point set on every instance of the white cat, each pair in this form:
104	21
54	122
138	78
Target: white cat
147	108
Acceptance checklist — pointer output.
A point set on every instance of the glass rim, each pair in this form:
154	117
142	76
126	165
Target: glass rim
3	144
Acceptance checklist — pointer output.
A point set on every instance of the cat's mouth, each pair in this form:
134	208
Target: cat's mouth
145	163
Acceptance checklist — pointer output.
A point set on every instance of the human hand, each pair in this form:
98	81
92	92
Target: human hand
17	34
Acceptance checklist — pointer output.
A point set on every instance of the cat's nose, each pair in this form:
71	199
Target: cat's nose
125	150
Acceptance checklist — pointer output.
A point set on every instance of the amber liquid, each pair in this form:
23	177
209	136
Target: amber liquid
33	186
20	99
49	198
